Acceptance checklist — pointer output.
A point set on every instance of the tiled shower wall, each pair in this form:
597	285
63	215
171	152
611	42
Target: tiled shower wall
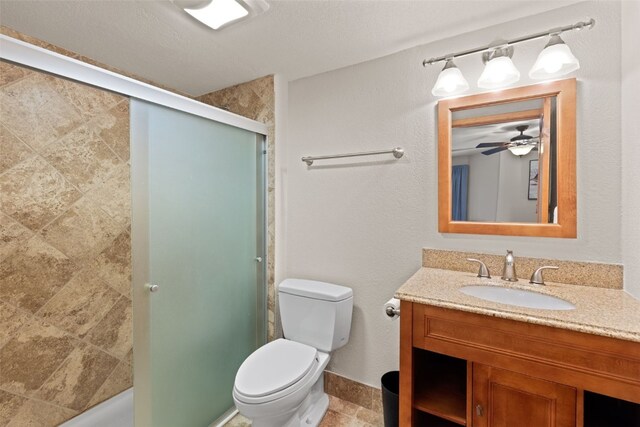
65	270
256	100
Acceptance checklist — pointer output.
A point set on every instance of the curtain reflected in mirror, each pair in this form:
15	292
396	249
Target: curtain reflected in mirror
459	192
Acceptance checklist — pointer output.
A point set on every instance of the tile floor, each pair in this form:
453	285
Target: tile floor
340	414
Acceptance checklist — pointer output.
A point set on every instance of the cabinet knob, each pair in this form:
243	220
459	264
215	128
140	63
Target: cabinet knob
479	410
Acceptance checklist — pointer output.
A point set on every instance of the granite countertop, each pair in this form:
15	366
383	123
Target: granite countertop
599	311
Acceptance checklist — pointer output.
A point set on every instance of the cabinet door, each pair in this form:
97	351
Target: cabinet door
506	399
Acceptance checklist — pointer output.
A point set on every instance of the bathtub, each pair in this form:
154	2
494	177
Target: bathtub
114	412
118	412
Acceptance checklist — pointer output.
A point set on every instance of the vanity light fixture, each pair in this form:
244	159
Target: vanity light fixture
218	14
555	60
450	81
499	70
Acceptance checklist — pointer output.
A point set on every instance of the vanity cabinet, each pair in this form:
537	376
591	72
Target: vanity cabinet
506	398
462	368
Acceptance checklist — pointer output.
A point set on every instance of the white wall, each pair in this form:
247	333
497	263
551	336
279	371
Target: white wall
631	146
459	160
513	202
484	184
364	225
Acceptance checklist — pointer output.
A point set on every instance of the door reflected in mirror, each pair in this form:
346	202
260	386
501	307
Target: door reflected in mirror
503	163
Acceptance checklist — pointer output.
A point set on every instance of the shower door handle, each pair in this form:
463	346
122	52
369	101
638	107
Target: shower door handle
258	259
153	288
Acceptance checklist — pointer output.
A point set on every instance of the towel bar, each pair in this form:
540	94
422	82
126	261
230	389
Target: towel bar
397	153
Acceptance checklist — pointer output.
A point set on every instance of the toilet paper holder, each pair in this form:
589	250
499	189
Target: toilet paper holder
391	312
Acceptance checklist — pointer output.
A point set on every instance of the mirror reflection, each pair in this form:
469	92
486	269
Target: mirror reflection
503	161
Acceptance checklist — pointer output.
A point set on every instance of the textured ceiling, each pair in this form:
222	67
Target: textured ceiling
160	42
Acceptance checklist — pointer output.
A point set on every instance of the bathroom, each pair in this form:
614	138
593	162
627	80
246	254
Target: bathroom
77	214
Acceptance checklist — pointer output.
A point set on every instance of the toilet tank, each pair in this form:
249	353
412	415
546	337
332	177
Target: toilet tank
315	313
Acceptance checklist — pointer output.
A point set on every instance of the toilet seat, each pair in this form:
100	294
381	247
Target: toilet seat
275	370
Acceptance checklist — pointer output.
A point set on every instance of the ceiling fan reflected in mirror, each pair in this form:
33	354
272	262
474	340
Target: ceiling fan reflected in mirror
519	145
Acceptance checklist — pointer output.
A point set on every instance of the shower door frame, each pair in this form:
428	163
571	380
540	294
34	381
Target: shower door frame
40	59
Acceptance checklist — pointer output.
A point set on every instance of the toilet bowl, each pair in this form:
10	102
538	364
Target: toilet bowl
273	386
281	384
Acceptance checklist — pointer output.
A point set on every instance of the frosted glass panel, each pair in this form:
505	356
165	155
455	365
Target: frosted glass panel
204	223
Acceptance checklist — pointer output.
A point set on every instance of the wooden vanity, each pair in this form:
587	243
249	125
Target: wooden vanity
459	367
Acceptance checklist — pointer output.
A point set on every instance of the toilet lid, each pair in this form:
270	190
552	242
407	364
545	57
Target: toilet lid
274	367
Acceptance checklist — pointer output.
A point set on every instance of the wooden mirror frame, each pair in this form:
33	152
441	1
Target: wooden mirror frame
565	93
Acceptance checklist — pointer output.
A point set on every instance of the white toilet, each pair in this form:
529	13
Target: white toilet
281	384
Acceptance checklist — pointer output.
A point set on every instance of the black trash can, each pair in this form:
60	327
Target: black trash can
390	394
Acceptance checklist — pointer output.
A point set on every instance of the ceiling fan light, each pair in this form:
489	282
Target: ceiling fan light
555	60
498	72
521	150
450	81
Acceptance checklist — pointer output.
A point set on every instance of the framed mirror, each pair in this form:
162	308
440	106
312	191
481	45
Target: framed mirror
507	162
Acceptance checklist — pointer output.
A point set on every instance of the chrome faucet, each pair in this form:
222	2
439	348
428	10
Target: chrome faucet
509	270
483	271
536	277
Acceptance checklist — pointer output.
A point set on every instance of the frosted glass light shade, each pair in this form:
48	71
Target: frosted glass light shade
555	60
498	72
521	150
450	81
218	13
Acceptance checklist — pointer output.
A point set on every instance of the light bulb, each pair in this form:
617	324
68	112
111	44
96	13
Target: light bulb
498	72
449	86
552	66
450	81
555	60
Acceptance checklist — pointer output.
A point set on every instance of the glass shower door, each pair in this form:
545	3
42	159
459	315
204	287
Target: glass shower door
199	283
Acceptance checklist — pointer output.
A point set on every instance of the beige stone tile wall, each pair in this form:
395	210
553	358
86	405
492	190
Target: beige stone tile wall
352	391
65	268
256	100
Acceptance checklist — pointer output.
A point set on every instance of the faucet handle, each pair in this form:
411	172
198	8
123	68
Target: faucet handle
536	277
483	272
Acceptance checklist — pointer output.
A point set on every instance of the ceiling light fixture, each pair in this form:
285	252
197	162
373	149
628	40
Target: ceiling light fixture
499	70
218	14
555	60
450	81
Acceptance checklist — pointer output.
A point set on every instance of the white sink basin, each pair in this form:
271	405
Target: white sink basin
519	297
